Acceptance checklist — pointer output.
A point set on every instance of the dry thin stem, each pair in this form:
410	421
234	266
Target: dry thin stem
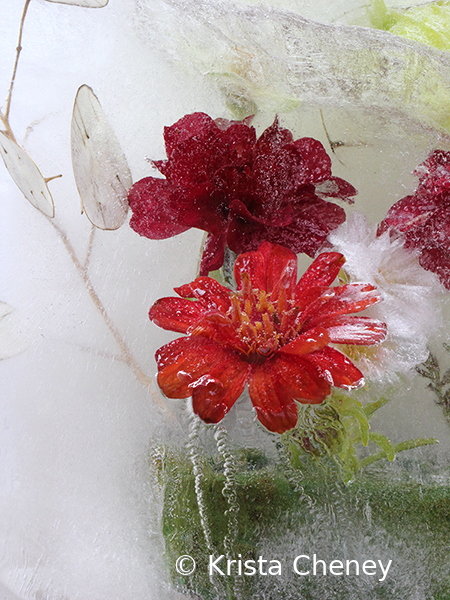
332	144
5	117
90	246
126	353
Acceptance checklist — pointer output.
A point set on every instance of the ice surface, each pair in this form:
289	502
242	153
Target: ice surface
271	56
79	512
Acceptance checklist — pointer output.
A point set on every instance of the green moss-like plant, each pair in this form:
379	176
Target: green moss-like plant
271	504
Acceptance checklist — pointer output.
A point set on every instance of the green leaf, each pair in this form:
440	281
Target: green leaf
343	403
407	445
363	422
415	443
426	24
358	413
379	15
372	407
384	444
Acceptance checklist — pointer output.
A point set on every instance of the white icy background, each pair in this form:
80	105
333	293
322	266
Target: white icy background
78	510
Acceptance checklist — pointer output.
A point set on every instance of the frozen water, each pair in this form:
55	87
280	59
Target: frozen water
279	59
79	511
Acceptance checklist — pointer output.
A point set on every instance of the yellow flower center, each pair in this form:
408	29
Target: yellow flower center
263	324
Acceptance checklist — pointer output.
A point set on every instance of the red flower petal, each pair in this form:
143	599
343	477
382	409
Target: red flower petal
276	411
273	138
313	220
349	298
270	268
280	268
162	210
263	214
300	378
190	362
197	125
232	182
200	207
316	164
312	341
319	216
337	368
347	329
434	232
307	232
219	328
155	211
310	299
175	314
213	253
275	176
182	362
254	265
214	394
275	386
335	187
408	213
235	144
187	166
434	173
322	272
437	260
209	292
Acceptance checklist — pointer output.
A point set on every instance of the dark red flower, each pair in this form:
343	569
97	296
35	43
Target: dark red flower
423	219
242	191
272	333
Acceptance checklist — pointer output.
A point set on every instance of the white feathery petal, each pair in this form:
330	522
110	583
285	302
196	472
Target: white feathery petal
411	298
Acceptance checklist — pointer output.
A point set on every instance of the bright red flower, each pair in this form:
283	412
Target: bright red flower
242	191
272	333
423	219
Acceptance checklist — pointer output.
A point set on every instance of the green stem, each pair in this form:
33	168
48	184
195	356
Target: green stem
407	445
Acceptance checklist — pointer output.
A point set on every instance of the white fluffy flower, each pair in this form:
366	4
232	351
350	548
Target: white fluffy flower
410	307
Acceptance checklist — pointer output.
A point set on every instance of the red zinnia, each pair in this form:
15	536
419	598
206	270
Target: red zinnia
423	219
242	191
272	333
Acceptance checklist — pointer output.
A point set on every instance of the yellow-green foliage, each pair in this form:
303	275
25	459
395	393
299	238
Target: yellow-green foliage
429	24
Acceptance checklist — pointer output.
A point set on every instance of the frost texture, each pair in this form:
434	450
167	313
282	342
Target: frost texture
412	297
273	57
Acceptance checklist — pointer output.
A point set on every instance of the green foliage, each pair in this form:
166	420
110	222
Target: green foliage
335	428
272	505
428	24
262	495
380	17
